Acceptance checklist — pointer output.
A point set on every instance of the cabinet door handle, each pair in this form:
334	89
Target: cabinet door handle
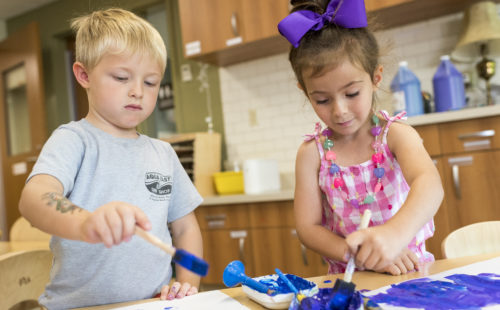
456	181
455	162
303	249
234	24
32	159
478	134
477	145
215	217
216	220
241	236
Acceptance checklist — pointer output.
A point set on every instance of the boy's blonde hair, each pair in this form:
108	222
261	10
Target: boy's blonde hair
114	31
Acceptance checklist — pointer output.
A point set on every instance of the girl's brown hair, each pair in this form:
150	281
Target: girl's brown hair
327	47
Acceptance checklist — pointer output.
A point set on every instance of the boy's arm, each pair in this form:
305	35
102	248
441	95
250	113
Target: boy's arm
186	235
308	207
42	203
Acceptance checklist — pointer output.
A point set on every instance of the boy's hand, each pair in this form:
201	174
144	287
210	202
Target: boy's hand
375	247
113	223
407	261
177	290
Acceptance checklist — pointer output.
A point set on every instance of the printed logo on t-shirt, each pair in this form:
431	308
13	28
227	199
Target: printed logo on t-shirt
158	184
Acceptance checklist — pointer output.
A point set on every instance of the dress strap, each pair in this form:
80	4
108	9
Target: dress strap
391	119
316	136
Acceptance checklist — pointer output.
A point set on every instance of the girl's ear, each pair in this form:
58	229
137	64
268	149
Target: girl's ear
81	74
377	76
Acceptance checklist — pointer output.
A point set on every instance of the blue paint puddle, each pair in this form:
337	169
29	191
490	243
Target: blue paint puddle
321	300
281	288
463	292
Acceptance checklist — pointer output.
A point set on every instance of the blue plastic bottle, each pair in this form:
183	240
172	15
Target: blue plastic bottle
448	83
406	91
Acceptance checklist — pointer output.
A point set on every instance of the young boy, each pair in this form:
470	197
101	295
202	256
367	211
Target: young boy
97	178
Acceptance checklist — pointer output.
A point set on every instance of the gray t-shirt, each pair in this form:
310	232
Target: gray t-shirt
95	168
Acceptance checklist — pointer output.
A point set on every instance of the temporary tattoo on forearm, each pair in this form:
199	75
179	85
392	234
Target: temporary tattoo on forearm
61	203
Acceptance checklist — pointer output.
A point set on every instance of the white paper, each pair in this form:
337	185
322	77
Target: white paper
212	300
488	266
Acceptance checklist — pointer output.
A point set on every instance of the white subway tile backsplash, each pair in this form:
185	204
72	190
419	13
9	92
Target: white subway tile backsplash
284	115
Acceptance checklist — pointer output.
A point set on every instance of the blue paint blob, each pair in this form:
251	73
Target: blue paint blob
321	300
327	281
462	291
280	286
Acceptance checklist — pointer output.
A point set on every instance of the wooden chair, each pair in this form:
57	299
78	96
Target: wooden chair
22	230
473	239
23	278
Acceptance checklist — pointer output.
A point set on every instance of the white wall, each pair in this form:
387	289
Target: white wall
267	89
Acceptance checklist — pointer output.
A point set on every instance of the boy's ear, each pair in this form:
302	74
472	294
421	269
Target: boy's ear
377	76
300	86
81	74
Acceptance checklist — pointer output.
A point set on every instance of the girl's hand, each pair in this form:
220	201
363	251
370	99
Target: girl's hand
113	223
375	247
177	290
407	261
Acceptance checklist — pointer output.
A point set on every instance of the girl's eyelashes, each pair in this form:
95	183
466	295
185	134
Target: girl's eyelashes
323	101
352	95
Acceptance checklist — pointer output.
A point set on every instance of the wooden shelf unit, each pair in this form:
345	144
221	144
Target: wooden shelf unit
200	155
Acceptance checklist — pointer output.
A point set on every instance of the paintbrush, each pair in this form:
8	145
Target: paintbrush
290	285
179	256
344	289
234	274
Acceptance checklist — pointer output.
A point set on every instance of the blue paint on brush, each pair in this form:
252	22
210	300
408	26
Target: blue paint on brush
191	262
463	292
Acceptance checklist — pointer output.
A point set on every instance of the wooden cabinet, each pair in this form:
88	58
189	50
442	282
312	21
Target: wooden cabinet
200	155
219	31
393	13
465	153
224	32
262	235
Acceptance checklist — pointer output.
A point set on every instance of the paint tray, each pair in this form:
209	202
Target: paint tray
280	300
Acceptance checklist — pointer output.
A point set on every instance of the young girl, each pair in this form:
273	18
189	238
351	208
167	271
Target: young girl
361	160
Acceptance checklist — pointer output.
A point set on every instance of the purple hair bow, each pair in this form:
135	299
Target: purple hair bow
350	14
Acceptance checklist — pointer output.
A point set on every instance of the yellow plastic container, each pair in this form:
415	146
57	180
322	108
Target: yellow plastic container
229	182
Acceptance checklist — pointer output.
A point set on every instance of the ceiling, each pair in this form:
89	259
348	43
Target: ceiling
11	8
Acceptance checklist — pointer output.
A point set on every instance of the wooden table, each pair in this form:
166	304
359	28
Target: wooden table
15	246
363	280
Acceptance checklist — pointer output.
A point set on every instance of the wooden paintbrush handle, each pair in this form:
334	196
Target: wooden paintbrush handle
154	240
365	219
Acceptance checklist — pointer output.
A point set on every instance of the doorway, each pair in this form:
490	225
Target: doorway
22	114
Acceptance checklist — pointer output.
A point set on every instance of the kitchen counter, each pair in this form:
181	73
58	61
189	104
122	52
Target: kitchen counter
451	116
425	119
282	195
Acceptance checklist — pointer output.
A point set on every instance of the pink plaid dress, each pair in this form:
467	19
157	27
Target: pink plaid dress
340	217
